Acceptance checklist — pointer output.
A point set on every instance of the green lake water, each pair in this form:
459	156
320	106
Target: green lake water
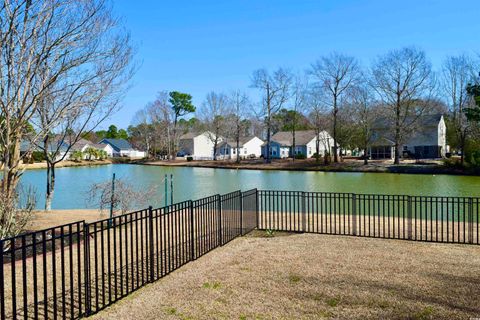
73	183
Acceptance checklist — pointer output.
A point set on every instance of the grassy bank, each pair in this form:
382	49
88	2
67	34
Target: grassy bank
308	276
349	165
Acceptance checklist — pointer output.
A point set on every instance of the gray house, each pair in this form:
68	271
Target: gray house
281	145
426	140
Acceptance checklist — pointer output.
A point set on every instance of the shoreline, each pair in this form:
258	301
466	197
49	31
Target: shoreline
312	166
66	164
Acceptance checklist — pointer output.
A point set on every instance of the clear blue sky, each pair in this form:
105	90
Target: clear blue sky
198	46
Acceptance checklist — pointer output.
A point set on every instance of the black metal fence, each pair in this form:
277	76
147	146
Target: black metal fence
436	219
77	269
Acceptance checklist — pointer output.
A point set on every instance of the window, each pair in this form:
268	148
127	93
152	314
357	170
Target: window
309	150
234	150
245	151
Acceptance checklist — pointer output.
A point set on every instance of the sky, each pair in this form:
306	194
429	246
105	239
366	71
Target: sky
198	46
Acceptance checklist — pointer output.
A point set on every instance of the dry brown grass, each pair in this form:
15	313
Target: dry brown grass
308	276
43	220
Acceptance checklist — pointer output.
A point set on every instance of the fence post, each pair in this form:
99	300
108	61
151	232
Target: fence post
150	241
257	208
304	213
354	214
470	220
241	213
409	217
86	267
192	232
219	210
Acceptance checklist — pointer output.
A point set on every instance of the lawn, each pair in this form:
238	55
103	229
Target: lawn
308	276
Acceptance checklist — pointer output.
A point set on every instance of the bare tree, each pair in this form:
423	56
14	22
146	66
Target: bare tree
298	104
239	103
86	97
142	129
214	112
364	113
404	82
319	120
457	73
275	89
50	52
125	198
335	74
162	115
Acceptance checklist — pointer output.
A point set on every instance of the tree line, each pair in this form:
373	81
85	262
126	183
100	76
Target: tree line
335	94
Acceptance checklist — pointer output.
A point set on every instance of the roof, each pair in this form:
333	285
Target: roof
233	143
189	135
427	120
425	126
119	144
98	145
80	144
301	137
53	146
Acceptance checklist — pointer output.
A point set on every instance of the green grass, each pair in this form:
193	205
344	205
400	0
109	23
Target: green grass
215	285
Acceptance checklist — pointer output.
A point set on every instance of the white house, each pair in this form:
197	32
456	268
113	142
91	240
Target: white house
83	144
121	148
426	140
281	145
198	145
249	147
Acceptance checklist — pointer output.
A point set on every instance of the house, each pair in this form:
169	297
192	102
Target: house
197	145
121	148
281	145
426	140
249	147
56	146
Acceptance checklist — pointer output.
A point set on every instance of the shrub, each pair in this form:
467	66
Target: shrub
300	156
77	155
189	158
473	158
38	156
15	214
102	154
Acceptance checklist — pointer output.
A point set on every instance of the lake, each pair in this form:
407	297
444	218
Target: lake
73	183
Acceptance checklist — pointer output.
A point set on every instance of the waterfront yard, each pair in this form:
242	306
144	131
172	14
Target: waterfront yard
308	276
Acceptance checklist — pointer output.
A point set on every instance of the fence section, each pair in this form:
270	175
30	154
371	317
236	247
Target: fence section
436	219
42	274
77	269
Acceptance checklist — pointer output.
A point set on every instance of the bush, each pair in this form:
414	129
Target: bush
77	155
452	163
38	156
300	156
189	158
473	158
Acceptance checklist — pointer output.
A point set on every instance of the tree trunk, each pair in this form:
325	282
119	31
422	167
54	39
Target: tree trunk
317	147
365	155
238	145
215	145
397	134
269	115
174	138
335	111
50	185
462	148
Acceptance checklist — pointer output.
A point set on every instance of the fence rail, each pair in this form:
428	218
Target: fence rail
77	269
421	218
